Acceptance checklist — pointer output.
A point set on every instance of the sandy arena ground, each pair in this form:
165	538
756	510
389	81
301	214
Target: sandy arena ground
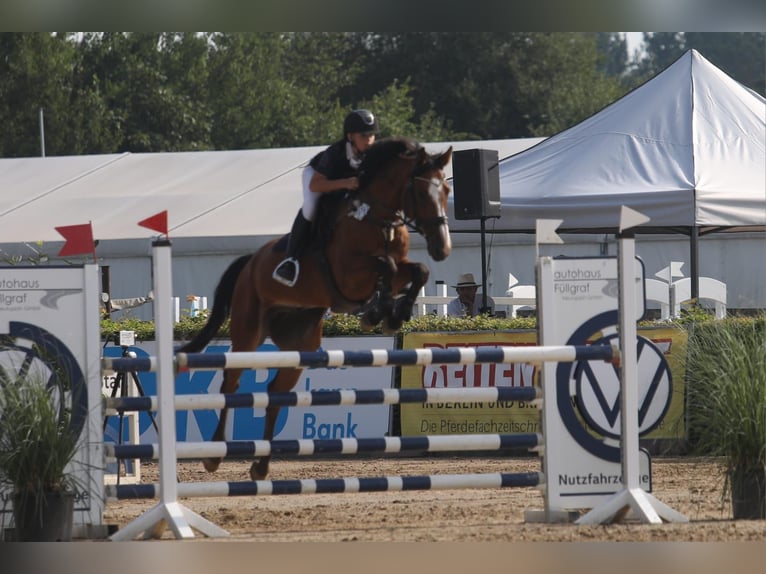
690	486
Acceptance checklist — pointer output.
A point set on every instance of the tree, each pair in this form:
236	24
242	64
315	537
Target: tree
396	112
452	74
613	54
148	92
478	82
742	55
92	122
184	59
559	83
274	90
256	101
318	66
153	86
35	73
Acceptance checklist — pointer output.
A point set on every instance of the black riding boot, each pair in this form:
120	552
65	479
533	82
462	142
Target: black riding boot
288	270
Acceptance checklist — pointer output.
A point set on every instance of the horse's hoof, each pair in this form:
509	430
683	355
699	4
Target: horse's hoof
211	464
403	309
391	326
257	472
368	321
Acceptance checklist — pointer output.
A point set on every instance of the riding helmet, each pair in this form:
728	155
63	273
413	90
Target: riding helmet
360	121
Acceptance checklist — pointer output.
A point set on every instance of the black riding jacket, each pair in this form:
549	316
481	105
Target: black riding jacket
333	163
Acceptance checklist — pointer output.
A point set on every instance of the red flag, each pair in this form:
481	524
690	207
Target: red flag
79	239
158	222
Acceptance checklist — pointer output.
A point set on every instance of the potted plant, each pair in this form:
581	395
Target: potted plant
726	407
37	446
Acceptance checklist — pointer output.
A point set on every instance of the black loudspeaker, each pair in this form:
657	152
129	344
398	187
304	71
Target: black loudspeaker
476	183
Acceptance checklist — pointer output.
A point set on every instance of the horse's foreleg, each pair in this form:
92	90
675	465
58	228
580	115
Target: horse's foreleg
380	304
260	468
229	385
283	382
416	275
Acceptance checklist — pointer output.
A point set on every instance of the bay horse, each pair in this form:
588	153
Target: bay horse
360	267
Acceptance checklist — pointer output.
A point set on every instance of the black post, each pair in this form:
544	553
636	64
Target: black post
694	262
106	287
483	267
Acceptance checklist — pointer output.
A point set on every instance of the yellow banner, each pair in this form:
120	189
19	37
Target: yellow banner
512	417
672	343
468	418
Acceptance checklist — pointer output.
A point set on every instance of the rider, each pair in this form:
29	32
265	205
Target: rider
334	169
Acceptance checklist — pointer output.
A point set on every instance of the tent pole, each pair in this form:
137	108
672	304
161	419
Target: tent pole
694	265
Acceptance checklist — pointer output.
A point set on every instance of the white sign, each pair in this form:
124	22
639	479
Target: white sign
50	317
579	304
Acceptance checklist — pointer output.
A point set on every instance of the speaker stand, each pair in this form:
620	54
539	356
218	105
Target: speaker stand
483	264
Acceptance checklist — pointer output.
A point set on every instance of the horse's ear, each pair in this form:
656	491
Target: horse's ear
419	155
444	158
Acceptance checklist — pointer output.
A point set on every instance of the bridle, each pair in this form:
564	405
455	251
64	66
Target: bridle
394	218
421	225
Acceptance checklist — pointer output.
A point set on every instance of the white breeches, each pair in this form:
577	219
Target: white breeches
310	199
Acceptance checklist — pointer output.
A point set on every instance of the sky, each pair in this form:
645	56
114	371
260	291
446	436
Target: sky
634	41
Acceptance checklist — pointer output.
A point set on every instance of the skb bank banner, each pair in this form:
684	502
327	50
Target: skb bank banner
514	417
313	422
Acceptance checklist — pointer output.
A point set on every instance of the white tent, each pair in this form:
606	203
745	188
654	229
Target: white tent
220	204
210	195
687	149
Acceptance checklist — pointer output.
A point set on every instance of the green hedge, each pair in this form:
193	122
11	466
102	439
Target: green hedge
348	325
334	326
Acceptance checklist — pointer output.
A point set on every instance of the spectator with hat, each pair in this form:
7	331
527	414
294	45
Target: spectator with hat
467	304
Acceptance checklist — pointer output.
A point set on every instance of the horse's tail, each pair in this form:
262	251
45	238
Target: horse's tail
221	307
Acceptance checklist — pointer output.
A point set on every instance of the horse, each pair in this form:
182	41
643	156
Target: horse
361	267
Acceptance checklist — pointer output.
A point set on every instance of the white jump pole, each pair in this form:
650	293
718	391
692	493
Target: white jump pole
168	512
645	506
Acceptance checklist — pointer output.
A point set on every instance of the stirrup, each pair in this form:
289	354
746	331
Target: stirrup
285	281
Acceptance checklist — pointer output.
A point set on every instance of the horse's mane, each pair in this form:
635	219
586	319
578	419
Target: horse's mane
381	153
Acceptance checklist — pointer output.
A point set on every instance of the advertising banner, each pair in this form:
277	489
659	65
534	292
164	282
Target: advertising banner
49	332
313	422
468	418
579	305
671	341
425	419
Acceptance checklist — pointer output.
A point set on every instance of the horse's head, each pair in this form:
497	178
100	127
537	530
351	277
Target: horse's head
426	202
401	180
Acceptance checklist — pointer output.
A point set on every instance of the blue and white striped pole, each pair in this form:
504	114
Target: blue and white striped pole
331	398
333	485
371	358
308	447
